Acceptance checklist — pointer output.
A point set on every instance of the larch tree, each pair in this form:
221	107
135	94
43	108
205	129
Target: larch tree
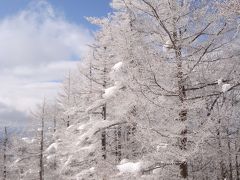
183	43
5	143
156	97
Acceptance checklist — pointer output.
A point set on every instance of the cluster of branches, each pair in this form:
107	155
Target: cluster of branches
158	92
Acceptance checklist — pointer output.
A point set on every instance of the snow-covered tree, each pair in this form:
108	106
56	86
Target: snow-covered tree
5	154
173	80
156	97
230	7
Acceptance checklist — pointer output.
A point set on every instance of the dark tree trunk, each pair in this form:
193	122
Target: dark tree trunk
183	112
119	143
4	154
236	159
41	165
54	123
176	37
103	138
229	157
68	121
104	115
237	167
220	150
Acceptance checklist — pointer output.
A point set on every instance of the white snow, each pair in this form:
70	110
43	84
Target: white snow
59	140
29	141
168	43
165	49
220	81
161	146
110	92
118	84
95	105
157	171
17	160
130	167
52	148
70	127
117	73
91	130
117	66
92	169
124	161
85	173
50	158
71	111
88	148
81	127
226	87
167	46
69	160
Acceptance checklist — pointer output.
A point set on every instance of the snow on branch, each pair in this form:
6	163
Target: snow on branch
111	125
130	167
224	87
52	148
117	66
95	105
112	91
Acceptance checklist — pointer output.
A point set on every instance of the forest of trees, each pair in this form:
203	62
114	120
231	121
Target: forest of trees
157	97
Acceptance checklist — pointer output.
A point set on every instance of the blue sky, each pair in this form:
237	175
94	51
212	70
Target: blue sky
39	39
74	10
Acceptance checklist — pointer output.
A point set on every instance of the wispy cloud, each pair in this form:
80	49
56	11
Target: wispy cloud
37	46
12	118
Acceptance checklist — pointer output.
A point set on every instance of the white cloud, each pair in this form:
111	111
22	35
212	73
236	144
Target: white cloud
39	35
10	118
36	48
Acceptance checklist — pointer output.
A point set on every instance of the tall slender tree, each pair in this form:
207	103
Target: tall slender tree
5	154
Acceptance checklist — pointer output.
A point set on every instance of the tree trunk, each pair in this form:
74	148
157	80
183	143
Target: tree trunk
69	96
68	121
229	157
4	154
41	165
183	112
54	124
119	143
237	167
176	41
104	115
236	159
103	138
222	173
